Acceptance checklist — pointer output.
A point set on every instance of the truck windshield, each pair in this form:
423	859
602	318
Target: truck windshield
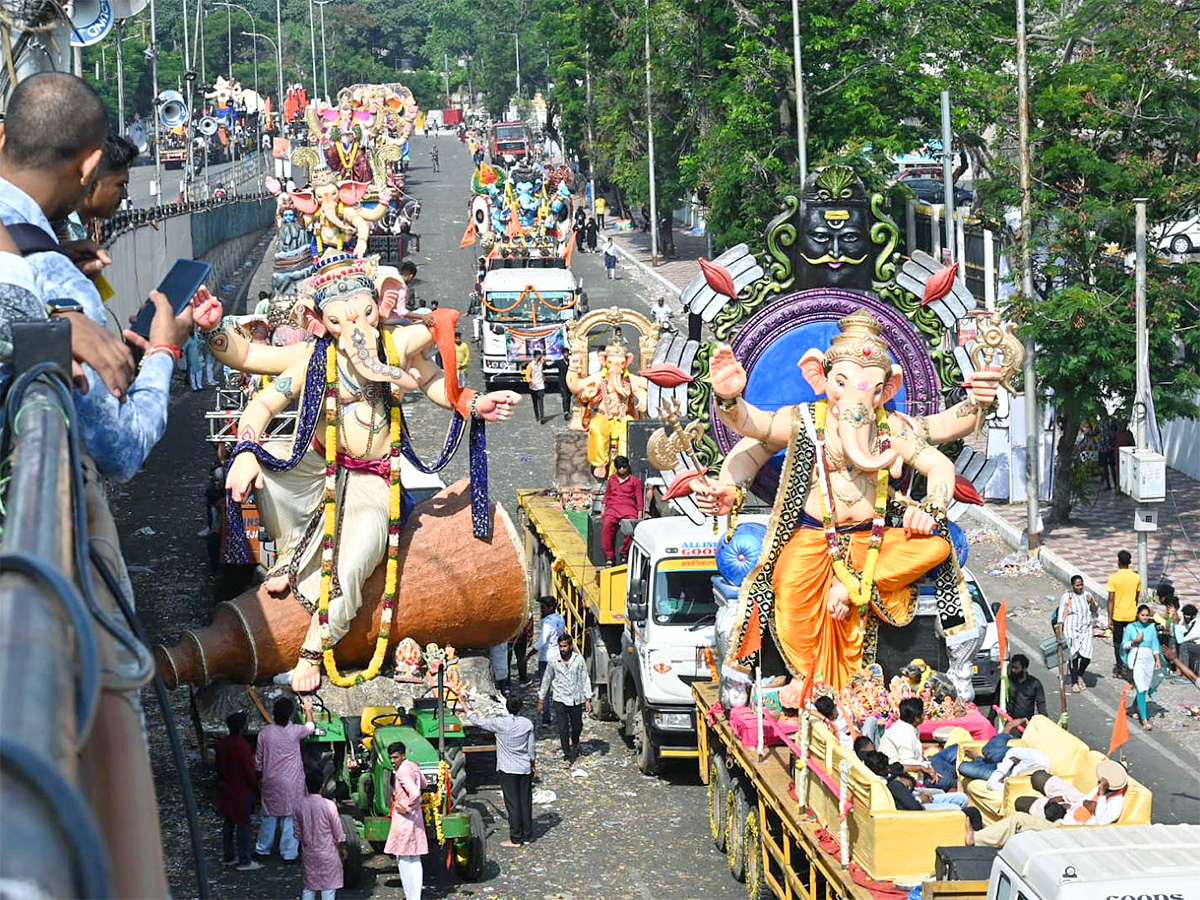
683	592
510	132
509	307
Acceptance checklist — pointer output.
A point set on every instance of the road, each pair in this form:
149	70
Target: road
610	833
141	176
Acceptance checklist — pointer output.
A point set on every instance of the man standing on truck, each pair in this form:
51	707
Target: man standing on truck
624	498
570	689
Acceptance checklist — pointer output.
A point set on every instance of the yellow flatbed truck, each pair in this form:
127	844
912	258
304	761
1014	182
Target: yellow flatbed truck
646	629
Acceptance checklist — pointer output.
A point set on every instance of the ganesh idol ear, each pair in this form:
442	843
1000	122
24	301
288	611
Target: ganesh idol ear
309	319
812	364
305	202
351	192
891	387
391	289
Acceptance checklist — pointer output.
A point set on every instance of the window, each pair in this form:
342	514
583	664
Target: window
1003	887
683	592
506	307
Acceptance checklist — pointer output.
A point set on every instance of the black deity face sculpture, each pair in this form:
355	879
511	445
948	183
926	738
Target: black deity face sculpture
834	240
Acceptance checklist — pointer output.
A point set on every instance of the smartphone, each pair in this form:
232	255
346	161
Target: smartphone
179	286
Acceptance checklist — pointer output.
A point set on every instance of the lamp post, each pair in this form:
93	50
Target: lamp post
650	149
312	37
801	136
279	71
253	45
152	52
324	58
279	57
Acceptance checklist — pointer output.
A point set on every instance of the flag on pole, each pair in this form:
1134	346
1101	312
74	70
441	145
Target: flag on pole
468	237
1120	732
570	251
1002	637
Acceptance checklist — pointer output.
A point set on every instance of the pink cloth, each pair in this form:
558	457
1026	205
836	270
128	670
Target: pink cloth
744	722
278	758
407	834
318	827
981	729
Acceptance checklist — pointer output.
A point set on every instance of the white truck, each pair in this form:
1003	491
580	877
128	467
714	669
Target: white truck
522	310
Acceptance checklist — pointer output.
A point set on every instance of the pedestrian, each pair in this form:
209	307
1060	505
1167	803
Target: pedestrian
107	193
624	498
601	210
552	627
322	840
661	313
535	377
1124	588
277	758
1143	655
520	650
406	838
462	357
1107	450
564	388
590	235
1189	647
433	156
567	684
610	259
235	799
516	767
1076	615
193	361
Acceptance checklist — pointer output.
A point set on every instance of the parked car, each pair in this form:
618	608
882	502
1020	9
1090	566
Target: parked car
1181	236
932	190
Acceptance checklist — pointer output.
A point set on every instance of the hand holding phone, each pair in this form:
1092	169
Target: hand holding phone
166	328
186	277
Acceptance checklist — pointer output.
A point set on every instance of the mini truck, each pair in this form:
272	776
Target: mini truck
646	628
524	309
353	755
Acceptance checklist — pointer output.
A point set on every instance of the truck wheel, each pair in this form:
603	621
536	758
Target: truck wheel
352	866
470	854
457	760
643	743
602	709
756	883
736	810
718	787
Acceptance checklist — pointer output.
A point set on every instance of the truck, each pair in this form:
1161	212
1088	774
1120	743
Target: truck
509	142
645	628
524	309
784	848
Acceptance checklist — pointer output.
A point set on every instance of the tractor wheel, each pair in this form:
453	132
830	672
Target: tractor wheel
470	853
756	883
736	810
352	866
718	787
457	761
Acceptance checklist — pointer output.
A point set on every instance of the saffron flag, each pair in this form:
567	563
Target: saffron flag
1002	639
570	251
1120	732
468	237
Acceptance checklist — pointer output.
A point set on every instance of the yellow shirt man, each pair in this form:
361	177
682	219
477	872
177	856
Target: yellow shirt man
462	356
1124	586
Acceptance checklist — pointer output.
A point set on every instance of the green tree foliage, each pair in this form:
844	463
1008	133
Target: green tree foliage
1115	103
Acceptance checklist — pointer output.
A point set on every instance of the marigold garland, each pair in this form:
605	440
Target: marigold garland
860	591
392	580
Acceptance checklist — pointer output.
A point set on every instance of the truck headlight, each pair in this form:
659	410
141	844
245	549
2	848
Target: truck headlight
994	653
673	721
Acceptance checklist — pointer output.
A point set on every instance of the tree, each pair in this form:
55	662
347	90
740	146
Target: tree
1115	107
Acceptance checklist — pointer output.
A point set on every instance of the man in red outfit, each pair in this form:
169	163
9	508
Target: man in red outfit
235	766
623	499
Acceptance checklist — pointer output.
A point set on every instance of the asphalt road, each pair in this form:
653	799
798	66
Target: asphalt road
141	176
610	833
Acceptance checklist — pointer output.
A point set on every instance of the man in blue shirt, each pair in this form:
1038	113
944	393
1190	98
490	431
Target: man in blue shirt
50	150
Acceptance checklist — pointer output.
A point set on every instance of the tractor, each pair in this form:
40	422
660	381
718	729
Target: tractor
358	776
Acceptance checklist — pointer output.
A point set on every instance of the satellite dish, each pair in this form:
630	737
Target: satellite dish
127	9
91	21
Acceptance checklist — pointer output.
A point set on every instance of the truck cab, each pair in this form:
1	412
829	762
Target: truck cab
510	142
524	309
668	642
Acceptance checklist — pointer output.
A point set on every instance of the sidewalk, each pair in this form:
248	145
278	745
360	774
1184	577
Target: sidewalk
1089	543
672	275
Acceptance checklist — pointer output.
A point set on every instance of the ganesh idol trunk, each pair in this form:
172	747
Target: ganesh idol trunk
454	589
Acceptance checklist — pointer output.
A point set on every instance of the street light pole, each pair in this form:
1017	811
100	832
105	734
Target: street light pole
1032	435
650	149
229	31
1141	406
154	87
801	136
517	38
324	58
279	58
312	36
253	35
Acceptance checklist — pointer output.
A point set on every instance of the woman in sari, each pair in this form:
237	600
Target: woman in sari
1143	655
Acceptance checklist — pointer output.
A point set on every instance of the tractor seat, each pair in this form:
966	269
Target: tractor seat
366	720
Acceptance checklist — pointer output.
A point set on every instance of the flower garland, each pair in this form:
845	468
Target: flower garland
860	592
392	580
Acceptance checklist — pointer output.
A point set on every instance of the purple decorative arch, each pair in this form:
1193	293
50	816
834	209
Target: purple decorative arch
809	318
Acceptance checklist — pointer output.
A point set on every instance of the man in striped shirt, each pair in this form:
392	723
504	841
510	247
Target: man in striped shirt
516	765
570	689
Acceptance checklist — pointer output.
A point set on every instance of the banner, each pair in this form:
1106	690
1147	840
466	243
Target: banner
520	343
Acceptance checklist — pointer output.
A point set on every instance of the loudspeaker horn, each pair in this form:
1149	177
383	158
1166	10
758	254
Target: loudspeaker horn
127	9
91	21
173	110
207	126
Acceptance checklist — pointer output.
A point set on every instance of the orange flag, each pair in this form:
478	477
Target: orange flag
1120	732
468	237
1002	630
570	251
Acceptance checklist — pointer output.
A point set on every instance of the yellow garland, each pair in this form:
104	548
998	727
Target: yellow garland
394	511
860	592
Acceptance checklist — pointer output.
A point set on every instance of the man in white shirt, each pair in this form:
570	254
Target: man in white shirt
1102	806
901	741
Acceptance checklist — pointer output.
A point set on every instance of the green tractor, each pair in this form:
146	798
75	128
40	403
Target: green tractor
358	776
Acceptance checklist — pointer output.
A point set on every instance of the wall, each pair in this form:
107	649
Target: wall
1181	445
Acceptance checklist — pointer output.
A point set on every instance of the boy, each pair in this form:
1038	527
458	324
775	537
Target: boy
322	840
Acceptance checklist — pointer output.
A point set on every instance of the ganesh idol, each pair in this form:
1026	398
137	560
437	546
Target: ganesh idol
843	546
331	497
610	400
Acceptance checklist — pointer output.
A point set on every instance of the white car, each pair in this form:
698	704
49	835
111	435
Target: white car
1179	237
